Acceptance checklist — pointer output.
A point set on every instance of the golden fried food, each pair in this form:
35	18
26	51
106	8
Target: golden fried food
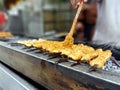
5	34
27	43
89	57
77	52
103	56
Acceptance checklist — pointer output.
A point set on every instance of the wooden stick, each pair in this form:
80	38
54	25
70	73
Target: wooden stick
76	19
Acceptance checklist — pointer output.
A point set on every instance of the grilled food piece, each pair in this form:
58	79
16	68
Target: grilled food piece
30	43
77	52
89	57
72	52
5	34
103	56
27	43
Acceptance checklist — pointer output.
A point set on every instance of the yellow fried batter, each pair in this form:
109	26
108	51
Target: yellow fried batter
76	52
103	56
5	34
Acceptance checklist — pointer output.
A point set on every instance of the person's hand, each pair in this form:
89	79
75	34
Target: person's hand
75	3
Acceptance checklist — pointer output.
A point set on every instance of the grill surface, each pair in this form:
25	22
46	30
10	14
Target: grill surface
56	76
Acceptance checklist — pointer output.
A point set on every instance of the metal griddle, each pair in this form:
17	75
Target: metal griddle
57	76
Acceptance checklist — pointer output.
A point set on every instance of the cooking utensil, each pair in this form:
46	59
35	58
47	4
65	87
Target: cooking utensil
69	40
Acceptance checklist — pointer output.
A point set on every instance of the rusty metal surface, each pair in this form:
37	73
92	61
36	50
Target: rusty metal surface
57	76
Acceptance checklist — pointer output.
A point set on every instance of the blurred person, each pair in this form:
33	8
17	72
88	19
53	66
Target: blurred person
90	21
79	33
108	20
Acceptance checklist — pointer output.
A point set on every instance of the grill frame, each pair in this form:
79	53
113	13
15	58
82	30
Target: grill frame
60	76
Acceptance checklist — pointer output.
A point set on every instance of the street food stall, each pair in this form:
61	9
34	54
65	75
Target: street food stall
57	64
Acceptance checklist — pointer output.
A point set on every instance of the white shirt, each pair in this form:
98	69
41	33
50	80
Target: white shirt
108	21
